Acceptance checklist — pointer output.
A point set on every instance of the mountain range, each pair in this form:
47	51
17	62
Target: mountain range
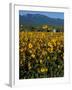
39	19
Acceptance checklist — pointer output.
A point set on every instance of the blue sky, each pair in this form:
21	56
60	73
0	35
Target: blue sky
49	14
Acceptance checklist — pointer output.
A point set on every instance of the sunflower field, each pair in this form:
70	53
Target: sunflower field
41	54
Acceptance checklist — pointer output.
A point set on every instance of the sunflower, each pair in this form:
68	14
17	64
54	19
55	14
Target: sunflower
50	49
30	45
33	55
42	70
48	58
41	61
22	49
46	69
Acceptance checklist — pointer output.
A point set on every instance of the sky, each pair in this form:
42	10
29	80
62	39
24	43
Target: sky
49	14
